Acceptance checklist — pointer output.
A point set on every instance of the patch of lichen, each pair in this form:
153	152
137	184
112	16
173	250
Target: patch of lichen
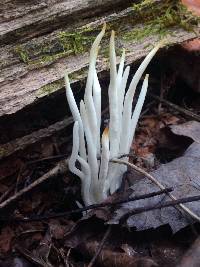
159	19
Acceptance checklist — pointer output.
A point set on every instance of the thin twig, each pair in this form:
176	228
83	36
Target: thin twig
155	181
101	245
5	194
158	206
177	108
60	168
57	157
94	206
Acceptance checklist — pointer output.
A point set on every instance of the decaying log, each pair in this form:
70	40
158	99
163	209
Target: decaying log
39	41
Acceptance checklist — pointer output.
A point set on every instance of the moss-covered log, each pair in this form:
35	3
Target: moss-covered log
40	41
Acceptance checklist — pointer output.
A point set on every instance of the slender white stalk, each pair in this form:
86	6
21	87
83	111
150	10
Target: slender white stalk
116	181
74	155
126	118
88	99
97	104
76	115
121	104
105	155
138	108
141	69
120	91
120	71
85	177
92	158
113	101
102	177
116	172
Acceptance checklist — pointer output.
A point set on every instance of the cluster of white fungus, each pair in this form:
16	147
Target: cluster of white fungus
93	152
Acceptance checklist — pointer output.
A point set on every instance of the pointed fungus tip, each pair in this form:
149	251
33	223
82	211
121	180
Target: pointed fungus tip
105	133
66	77
66	74
113	34
123	53
82	102
162	43
104	27
146	76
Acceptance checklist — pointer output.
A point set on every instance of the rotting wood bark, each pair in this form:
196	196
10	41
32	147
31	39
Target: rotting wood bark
27	19
28	74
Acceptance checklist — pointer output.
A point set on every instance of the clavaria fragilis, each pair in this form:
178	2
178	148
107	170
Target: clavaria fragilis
99	176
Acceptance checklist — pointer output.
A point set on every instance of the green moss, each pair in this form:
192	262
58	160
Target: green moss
79	74
50	88
146	18
76	41
64	44
160	19
22	53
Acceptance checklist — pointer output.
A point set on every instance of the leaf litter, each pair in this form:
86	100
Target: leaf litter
183	174
73	241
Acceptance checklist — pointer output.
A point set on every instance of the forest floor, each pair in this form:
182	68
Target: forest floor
41	224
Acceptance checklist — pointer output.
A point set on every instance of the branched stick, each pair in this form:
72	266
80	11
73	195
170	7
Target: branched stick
94	206
60	168
181	110
158	206
155	181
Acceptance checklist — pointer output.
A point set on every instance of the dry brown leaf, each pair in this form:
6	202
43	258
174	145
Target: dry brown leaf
183	174
190	129
193	5
166	253
110	258
193	45
6	237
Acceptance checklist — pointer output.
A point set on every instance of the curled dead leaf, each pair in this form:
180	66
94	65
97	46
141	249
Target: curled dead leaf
192	5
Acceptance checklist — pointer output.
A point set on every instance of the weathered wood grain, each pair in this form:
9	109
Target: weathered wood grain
32	57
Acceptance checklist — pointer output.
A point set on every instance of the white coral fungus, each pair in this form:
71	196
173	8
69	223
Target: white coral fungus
98	175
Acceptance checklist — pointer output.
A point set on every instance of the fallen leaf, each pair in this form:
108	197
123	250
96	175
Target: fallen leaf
15	262
6	237
190	129
58	230
110	258
183	174
193	45
192	5
149	135
166	253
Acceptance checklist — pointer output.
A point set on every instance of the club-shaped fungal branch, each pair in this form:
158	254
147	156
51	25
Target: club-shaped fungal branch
91	153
